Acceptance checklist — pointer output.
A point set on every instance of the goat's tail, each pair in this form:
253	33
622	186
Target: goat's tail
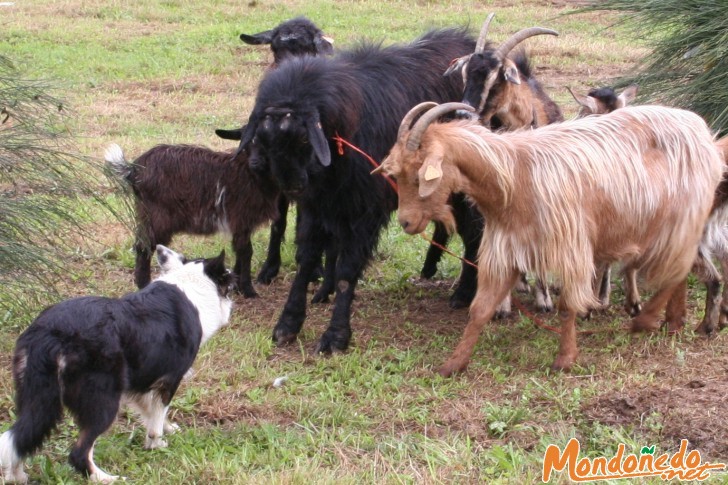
38	405
115	160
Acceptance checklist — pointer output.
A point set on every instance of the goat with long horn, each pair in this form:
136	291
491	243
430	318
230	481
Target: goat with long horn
500	85
566	206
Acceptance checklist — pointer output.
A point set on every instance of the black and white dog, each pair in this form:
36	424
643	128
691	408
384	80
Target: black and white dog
90	354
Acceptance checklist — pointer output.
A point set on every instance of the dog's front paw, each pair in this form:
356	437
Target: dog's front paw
100	476
170	428
154	442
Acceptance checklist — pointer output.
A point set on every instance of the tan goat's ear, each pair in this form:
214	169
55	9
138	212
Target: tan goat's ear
590	103
430	175
627	96
511	73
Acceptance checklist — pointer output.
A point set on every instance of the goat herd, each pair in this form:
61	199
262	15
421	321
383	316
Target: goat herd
474	144
637	186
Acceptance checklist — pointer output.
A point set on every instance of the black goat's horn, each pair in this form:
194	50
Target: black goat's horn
406	124
413	142
483	33
506	47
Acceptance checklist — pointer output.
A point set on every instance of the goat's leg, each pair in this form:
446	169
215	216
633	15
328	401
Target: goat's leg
308	255
469	223
648	319
348	270
568	350
676	309
632	302
522	285
543	296
603	284
243	256
723	319
490	294
434	253
143	248
705	270
327	285
272	263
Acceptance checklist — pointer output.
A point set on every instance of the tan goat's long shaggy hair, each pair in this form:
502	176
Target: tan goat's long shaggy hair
636	185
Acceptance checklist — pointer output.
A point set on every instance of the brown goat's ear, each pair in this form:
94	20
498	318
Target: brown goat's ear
586	101
430	175
510	71
627	96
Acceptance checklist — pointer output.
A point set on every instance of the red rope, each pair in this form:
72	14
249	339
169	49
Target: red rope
340	142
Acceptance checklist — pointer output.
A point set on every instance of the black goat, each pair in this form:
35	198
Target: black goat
292	38
194	190
360	95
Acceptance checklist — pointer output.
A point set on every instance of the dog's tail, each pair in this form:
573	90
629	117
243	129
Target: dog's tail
115	160
38	404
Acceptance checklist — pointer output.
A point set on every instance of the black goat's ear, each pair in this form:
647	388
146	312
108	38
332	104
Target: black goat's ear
247	133
230	134
318	140
324	44
260	38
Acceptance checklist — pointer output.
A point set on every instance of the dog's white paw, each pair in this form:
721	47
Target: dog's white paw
170	428
154	443
14	476
100	476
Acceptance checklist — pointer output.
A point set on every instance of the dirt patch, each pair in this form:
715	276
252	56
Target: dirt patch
692	410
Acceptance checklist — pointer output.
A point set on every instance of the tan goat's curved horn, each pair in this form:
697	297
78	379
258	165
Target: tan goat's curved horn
480	45
506	47
406	124
413	142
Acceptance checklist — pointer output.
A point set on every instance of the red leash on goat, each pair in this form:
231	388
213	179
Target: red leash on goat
340	142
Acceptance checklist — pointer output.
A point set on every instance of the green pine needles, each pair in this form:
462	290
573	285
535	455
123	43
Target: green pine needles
688	65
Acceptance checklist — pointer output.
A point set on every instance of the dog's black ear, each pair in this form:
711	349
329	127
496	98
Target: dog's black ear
215	267
215	270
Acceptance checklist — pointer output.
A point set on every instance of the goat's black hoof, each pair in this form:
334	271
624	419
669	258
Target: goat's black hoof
544	308
456	303
248	292
634	310
283	337
501	314
267	273
462	297
317	274
428	272
320	297
332	341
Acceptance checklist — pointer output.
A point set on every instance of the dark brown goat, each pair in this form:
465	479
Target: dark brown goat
194	190
506	96
501	87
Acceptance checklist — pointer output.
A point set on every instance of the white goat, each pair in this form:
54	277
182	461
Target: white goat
635	185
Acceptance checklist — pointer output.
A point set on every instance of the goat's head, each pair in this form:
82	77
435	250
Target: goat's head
416	161
288	144
486	69
296	37
604	100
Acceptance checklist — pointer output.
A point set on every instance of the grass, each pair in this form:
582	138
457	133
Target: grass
141	73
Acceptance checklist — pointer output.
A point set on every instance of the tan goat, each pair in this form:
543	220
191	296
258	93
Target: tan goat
635	185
